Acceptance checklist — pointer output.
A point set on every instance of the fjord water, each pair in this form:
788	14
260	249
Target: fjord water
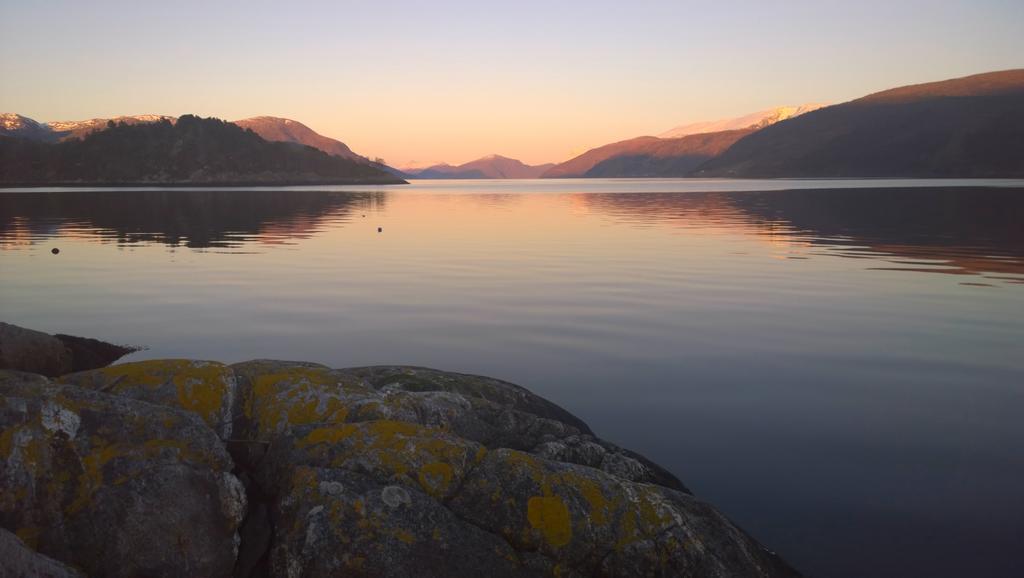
838	365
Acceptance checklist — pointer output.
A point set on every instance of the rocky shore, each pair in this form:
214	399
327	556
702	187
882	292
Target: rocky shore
278	468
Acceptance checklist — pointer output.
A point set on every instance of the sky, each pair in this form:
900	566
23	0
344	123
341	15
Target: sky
417	83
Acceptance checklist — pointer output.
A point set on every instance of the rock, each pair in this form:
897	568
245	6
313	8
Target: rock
205	388
52	355
89	353
372	471
410	473
19	561
28	350
113	485
503	393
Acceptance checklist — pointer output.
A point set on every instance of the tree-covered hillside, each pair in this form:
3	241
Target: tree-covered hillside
191	151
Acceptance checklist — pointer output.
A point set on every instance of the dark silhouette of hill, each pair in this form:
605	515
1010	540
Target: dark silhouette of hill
965	127
192	151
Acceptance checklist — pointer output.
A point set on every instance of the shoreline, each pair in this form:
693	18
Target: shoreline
183	184
290	467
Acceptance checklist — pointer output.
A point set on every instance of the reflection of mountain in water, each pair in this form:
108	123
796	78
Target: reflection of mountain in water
952	230
945	230
180	217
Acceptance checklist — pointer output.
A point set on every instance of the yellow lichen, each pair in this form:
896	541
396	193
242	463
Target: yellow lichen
91	479
435	477
204	398
297	396
550	515
198	386
328	435
92	475
398	448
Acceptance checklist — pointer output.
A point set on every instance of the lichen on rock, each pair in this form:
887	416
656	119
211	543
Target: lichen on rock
374	471
205	388
113	485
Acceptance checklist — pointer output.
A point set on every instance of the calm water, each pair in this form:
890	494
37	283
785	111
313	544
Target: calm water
840	368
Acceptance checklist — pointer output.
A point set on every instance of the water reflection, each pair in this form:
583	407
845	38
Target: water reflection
192	218
746	340
962	231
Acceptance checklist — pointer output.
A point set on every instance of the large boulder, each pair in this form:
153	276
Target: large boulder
373	471
52	355
113	485
416	472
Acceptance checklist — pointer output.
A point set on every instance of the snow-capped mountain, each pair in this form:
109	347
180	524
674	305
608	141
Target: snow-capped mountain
753	120
16	125
286	130
79	128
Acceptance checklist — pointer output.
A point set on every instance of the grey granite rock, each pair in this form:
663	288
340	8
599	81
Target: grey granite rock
374	471
113	485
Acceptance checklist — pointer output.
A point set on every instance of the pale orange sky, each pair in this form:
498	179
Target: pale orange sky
418	83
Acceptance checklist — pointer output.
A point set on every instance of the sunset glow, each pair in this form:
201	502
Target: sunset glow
422	83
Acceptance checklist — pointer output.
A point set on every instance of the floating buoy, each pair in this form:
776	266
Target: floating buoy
380	229
55	250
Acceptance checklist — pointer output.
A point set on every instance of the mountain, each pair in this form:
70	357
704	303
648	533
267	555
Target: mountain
753	120
674	153
67	129
648	156
674	157
16	125
190	151
964	127
278	129
445	171
273	128
489	167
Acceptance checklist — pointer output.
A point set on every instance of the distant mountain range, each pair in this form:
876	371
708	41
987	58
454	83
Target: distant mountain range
489	167
270	128
15	125
188	151
674	153
965	127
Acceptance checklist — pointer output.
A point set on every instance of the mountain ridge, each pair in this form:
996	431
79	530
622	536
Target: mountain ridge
275	128
971	126
491	166
190	151
754	120
673	153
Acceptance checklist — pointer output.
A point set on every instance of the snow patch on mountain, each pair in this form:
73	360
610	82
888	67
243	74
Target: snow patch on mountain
754	120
